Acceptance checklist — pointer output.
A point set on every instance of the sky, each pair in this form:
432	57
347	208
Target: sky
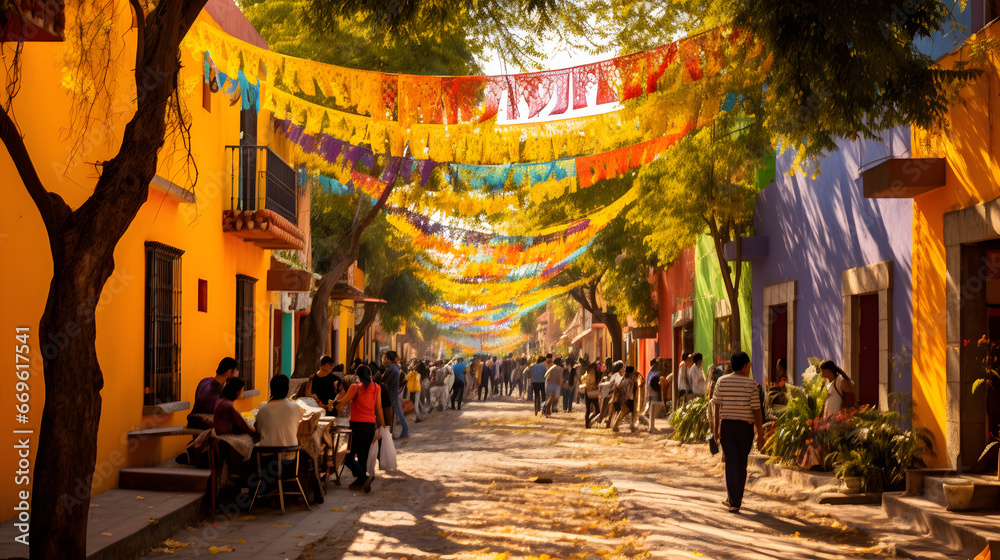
559	58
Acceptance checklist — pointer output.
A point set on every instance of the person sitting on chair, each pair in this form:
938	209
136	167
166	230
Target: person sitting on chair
209	392
278	424
324	385
227	419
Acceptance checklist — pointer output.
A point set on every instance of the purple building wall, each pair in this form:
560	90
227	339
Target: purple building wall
817	229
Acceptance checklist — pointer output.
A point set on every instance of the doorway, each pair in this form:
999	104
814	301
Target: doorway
683	341
779	341
278	337
868	347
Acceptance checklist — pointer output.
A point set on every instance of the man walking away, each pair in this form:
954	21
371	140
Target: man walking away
568	389
538	382
458	386
507	370
392	374
737	415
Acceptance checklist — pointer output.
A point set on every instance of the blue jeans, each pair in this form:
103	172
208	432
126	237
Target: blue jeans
567	396
397	411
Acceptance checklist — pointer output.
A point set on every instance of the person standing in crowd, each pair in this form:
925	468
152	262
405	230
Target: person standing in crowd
324	386
458	386
507	375
737	416
517	376
568	389
538	382
485	375
476	369
696	376
365	400
392	375
606	389
839	389
654	397
591	394
683	382
553	384
413	388
626	396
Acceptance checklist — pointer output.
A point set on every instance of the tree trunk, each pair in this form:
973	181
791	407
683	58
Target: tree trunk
610	320
721	236
586	296
310	344
315	328
67	445
371	311
82	243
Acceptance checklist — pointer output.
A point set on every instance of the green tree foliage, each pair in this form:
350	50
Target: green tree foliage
521	30
290	28
708	183
846	69
529	320
389	261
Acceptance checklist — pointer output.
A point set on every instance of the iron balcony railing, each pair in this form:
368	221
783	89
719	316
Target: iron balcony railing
260	179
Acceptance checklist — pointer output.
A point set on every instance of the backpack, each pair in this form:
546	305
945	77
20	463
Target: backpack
619	392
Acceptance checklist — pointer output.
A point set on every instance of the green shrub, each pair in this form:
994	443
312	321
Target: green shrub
690	421
794	427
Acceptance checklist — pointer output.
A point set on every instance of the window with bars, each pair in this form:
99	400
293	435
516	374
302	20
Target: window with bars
722	347
246	329
163	324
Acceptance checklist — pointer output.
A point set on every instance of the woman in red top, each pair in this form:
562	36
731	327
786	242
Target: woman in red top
366	406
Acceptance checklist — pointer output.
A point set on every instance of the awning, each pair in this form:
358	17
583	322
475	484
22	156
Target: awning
644	332
903	177
581	336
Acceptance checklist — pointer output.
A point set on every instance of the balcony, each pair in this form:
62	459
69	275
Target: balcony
263	199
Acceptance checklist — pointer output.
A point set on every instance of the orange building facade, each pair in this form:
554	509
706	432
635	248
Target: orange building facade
191	282
956	266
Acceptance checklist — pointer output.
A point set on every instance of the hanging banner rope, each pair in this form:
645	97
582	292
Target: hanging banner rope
410	99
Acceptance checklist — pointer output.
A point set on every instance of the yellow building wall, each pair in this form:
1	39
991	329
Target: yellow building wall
973	176
42	110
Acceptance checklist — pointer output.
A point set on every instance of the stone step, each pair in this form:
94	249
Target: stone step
807	479
174	478
965	533
124	523
934	486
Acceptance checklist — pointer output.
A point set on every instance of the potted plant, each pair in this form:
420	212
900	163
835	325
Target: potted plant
991	365
853	470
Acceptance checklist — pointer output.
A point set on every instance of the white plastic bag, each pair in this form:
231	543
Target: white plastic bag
387	456
372	455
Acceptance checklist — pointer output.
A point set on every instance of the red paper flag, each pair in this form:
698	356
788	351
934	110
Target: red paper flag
583	77
608	82
630	71
420	100
461	97
657	62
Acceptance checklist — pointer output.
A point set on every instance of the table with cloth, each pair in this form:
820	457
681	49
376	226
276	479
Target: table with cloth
314	436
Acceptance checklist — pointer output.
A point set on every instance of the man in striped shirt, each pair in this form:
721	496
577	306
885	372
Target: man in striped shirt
736	403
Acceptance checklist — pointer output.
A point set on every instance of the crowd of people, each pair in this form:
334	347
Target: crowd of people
373	396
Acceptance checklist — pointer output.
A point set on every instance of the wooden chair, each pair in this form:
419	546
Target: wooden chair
282	475
339	434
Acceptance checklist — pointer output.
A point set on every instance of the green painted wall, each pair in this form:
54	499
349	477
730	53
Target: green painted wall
709	289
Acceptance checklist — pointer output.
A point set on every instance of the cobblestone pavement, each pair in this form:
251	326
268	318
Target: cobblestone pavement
494	481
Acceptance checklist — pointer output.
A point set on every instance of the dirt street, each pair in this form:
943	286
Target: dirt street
495	481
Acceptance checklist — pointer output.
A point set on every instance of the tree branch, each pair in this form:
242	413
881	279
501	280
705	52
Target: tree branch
51	206
140	42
